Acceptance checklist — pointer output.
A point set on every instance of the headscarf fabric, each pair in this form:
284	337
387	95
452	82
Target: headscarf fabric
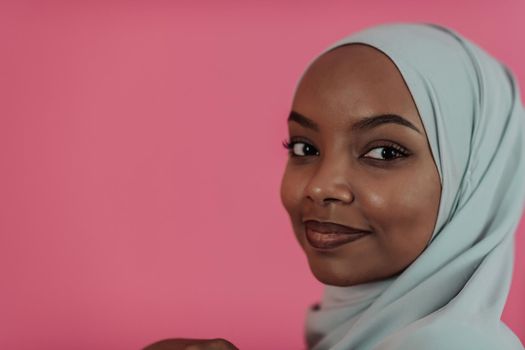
452	296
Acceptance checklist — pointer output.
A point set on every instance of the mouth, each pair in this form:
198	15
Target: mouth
328	235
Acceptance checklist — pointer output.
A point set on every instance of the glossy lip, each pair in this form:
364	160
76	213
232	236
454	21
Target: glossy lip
326	235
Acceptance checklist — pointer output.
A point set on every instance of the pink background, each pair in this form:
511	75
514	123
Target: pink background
140	148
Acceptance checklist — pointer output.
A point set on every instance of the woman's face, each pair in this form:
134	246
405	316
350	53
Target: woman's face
360	159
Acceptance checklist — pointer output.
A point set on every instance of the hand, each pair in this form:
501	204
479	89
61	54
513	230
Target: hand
192	344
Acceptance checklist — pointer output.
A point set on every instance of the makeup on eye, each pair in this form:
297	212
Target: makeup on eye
291	146
389	151
385	151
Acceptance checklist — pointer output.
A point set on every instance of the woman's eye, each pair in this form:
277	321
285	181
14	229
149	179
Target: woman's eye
300	149
385	153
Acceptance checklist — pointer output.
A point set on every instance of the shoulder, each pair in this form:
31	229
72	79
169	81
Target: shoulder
456	336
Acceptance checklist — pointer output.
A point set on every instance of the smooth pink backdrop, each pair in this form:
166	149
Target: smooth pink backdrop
140	148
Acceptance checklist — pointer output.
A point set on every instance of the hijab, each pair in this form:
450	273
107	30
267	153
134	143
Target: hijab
453	294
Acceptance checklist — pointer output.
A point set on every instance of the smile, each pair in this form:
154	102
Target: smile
326	236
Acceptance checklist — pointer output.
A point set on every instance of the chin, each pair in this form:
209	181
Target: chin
330	276
331	281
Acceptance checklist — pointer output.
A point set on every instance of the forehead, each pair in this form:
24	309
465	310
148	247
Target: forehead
351	82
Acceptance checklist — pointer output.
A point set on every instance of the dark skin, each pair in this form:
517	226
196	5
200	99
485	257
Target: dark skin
373	173
359	157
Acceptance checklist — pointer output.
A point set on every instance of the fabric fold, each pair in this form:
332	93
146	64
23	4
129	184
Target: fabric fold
453	294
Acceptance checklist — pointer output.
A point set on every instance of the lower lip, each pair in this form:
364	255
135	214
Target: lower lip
331	240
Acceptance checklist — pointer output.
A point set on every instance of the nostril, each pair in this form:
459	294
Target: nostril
323	200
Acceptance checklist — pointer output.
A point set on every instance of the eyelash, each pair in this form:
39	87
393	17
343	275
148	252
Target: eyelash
401	151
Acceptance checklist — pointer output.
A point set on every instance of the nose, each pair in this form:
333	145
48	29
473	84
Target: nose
330	183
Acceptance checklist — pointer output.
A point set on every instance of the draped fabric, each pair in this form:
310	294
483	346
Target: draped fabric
453	294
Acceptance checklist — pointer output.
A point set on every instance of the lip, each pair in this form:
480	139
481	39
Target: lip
328	235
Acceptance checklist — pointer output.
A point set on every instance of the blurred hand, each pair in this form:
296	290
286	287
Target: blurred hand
192	344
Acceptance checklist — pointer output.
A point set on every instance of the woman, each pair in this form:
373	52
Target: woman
404	188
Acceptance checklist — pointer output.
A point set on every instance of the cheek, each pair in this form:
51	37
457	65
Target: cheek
389	201
402	208
291	191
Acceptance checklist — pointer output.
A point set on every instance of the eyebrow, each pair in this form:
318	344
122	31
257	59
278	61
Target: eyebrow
363	124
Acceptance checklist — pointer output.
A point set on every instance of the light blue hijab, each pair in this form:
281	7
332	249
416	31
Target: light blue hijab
453	295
